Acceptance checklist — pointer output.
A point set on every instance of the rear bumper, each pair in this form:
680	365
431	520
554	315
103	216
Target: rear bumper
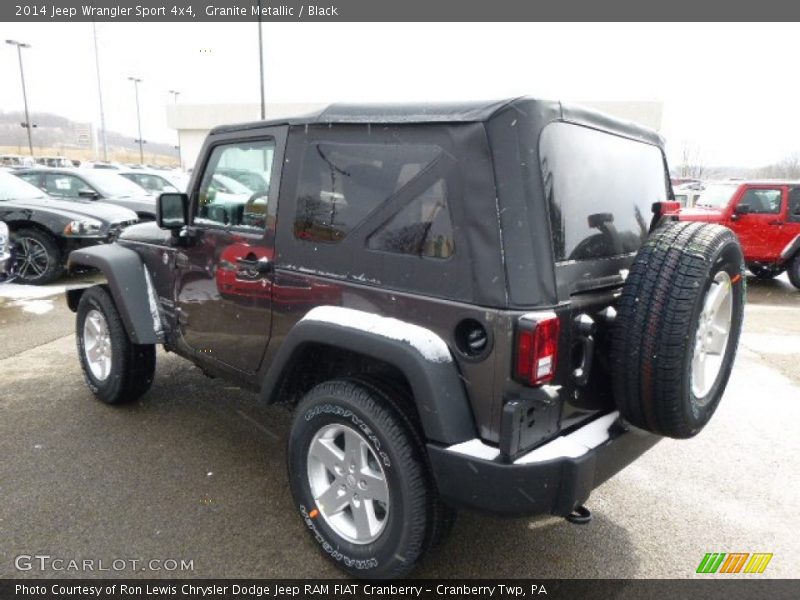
554	478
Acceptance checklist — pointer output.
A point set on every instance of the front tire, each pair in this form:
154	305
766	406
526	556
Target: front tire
115	369
358	477
794	271
38	257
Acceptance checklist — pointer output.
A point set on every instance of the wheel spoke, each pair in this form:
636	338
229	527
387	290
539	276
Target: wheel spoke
354	448
333	500
715	298
38	269
95	325
719	337
364	518
376	487
94	351
325	450
699	368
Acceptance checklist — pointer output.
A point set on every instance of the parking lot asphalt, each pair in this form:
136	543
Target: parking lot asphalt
196	471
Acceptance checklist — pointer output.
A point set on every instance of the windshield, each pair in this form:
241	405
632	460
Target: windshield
113	184
13	188
717	195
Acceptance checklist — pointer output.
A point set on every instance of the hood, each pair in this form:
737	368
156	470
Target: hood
701	213
148	232
75	209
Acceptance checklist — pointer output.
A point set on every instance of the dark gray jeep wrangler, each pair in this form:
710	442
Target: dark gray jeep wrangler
473	305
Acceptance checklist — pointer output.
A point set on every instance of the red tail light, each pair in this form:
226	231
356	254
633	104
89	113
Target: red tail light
537	348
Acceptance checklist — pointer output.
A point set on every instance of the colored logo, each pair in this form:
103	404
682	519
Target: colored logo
734	562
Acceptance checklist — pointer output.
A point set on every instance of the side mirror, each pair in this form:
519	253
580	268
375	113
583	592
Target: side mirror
742	209
172	211
90	194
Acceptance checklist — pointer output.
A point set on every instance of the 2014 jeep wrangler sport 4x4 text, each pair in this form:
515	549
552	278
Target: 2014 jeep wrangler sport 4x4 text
474	305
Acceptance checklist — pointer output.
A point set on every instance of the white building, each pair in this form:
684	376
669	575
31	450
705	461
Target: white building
194	121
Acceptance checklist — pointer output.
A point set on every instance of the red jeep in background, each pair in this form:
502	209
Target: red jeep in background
766	218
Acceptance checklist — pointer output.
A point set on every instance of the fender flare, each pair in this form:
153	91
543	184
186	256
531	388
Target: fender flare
130	286
421	355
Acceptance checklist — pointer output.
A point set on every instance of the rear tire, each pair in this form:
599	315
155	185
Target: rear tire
677	328
115	369
794	271
330	493
38	257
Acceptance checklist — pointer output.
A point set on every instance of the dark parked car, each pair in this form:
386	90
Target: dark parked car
44	230
475	305
92	184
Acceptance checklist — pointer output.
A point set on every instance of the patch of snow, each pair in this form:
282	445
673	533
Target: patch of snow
37	307
19	291
765	343
475	448
427	343
152	301
573	445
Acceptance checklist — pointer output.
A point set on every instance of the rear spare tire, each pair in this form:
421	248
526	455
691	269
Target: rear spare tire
677	329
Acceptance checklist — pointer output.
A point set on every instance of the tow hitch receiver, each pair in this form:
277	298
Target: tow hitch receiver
579	516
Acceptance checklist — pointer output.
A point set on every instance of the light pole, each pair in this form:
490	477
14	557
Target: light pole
100	94
175	94
261	64
27	124
136	81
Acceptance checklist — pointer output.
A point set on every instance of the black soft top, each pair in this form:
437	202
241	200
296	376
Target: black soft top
454	112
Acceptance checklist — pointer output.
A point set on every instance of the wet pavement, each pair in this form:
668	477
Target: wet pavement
195	471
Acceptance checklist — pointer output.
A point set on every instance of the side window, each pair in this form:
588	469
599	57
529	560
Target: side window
794	205
341	184
422	227
235	186
764	202
57	184
32	178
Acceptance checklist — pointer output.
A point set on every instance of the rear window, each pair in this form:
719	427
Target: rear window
600	189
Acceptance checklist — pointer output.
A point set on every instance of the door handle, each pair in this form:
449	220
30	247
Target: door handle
262	266
775	222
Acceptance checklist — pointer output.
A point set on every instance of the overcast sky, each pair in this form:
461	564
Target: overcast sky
729	90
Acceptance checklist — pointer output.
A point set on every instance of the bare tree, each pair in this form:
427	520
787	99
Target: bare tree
787	168
691	166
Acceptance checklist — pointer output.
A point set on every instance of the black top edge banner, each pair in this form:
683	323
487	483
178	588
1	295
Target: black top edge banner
188	11
422	589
